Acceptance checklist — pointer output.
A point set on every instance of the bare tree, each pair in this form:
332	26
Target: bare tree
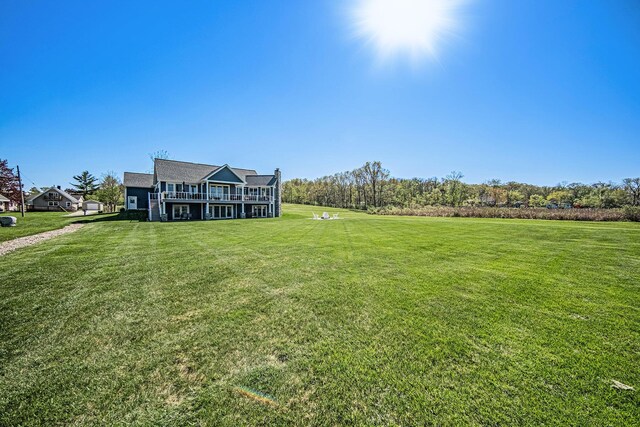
632	187
158	154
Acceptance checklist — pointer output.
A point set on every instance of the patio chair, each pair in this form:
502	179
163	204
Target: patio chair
315	216
335	216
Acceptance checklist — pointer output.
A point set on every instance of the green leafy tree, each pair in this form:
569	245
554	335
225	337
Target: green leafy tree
85	183
515	197
455	189
560	197
589	201
537	201
617	198
111	191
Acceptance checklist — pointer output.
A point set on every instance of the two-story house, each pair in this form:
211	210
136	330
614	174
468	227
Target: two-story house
54	199
189	191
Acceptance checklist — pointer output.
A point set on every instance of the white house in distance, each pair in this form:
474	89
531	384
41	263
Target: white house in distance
7	205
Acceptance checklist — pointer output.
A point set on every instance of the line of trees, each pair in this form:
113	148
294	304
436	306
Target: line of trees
371	186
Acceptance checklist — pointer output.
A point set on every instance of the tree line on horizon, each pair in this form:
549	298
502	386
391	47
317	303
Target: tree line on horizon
372	186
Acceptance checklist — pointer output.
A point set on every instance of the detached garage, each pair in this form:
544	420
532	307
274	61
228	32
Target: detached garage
91	205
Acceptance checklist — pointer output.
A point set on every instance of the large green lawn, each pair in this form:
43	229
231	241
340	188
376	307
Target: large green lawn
367	320
39	222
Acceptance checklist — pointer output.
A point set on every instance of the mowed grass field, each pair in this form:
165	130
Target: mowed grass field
39	222
366	320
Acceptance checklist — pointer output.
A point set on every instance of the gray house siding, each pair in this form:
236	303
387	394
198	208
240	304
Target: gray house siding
41	203
142	194
225	175
203	176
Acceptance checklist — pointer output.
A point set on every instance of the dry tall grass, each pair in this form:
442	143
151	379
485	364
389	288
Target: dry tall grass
627	214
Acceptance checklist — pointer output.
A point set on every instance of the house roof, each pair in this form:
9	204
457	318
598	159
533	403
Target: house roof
134	179
175	171
260	179
78	195
3	199
59	191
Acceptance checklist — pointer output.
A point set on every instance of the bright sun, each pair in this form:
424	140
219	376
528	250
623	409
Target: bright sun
411	28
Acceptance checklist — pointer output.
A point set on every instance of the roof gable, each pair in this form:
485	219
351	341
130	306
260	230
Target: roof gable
225	174
59	191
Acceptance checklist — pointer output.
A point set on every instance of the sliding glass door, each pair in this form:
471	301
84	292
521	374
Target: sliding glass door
221	212
259	211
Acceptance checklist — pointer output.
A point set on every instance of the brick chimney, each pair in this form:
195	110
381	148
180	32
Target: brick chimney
278	193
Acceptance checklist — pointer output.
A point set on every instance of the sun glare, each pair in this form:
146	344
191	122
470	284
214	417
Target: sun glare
406	28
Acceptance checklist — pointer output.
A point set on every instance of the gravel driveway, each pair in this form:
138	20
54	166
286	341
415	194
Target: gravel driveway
21	242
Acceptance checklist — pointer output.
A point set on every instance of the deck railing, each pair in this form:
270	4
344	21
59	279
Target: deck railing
211	197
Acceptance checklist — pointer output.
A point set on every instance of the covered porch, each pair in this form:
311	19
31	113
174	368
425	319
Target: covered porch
188	210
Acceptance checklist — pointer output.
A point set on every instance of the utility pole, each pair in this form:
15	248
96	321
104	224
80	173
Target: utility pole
21	191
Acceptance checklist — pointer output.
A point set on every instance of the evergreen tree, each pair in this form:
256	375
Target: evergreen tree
86	183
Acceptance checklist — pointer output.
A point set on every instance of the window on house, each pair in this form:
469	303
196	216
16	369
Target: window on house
68	204
218	191
181	212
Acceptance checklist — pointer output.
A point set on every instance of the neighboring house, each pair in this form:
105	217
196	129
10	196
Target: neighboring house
54	199
7	205
182	190
4	203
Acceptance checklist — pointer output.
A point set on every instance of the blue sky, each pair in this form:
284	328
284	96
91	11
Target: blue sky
537	91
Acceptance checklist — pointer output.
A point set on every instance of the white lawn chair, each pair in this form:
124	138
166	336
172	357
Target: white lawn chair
315	216
335	216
